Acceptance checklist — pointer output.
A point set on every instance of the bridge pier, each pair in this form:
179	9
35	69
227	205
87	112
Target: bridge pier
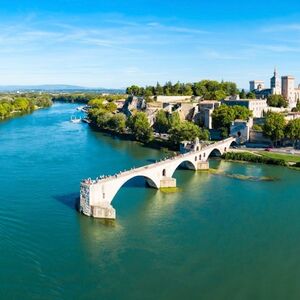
103	211
167	182
202	166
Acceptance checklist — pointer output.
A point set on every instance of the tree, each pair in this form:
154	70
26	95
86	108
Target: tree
96	103
223	116
241	112
21	104
117	123
297	108
292	130
250	95
277	101
174	119
243	94
134	90
161	124
140	127
187	131
110	107
159	90
274	126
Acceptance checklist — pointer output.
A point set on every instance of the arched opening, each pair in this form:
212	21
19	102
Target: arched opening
215	153
234	144
196	158
200	157
133	195
164	172
185	165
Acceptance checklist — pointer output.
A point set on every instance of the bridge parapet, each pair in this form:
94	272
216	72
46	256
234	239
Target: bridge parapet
96	195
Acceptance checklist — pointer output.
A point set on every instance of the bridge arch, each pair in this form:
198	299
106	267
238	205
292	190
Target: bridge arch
215	153
113	188
189	164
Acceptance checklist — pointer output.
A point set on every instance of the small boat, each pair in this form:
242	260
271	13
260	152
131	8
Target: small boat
86	120
80	108
75	120
86	109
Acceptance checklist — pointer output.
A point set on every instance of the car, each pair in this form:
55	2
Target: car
268	149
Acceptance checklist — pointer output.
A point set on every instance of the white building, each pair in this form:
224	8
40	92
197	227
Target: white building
289	91
257	106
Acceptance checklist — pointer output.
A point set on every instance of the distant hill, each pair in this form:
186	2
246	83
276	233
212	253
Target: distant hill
56	88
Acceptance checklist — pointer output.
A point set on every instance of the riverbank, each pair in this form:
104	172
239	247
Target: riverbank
264	158
159	144
18	105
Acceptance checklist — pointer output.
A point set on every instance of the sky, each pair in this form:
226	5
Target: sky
117	43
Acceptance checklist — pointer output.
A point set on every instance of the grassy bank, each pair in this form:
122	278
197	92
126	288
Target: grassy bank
288	158
249	157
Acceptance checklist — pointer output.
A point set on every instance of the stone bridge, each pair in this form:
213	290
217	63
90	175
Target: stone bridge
96	195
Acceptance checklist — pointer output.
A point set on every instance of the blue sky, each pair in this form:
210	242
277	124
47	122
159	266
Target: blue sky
118	43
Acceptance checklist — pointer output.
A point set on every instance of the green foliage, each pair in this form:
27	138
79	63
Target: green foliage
187	131
140	127
224	115
246	156
250	95
111	107
277	101
257	127
118	123
161	124
243	94
86	97
292	130
22	103
297	108
96	103
208	89
174	119
274	126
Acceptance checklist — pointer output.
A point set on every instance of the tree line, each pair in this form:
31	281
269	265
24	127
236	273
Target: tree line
207	89
86	97
11	104
276	128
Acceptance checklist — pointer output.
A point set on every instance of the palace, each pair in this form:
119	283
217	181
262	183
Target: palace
285	87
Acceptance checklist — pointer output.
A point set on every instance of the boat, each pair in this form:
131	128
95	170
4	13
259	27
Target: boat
80	108
86	120
75	120
86	108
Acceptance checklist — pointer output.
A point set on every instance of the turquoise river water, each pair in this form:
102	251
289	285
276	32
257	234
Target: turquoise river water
217	238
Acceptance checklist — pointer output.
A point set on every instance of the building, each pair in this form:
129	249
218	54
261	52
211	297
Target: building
256	85
257	106
289	91
240	129
172	99
204	113
275	84
286	88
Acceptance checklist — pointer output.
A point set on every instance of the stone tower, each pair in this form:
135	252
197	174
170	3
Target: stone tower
288	90
275	84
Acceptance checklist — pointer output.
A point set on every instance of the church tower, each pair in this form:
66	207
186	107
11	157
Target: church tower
275	84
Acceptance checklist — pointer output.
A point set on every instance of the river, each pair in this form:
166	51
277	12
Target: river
217	238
